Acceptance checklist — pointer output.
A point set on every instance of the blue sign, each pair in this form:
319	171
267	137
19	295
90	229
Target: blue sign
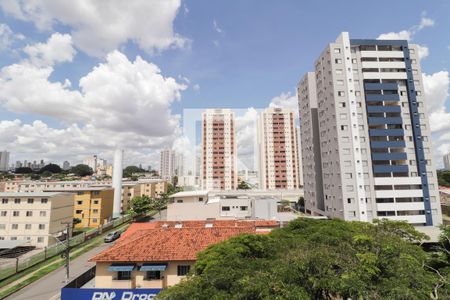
109	294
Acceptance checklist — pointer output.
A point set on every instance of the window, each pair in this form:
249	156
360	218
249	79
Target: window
95	211
44	200
124	275
2	226
337	50
14	238
200	199
27	226
94	220
338	61
29	213
95	201
339	82
338	71
4	201
4	213
179	201
341	93
79	211
225	208
183	270
244	208
40	239
79	202
42	213
153	275
96	193
30	201
16	201
15	213
41	226
14	226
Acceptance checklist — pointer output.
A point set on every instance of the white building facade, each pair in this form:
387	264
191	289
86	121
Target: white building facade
447	161
366	130
4	161
218	169
278	145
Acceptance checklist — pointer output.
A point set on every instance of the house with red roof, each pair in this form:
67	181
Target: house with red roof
158	255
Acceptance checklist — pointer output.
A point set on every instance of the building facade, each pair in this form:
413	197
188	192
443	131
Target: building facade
218	150
93	206
372	137
447	161
35	217
278	144
167	164
4	161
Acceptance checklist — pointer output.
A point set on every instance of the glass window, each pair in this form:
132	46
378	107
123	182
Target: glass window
30	201
40	239
4	213
124	275
17	201
42	213
29	213
15	213
15	226
27	226
183	270
4	201
44	200
153	275
41	226
225	208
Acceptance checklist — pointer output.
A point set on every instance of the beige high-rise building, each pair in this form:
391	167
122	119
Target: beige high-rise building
218	156
35	217
277	138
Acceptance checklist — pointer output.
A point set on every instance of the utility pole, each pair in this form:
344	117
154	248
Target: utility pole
69	225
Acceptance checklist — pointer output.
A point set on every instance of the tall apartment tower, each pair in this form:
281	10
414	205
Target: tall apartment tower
4	161
218	159
167	164
365	133
277	138
447	161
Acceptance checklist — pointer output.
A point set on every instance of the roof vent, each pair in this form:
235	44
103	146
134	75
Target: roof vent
165	226
179	225
209	225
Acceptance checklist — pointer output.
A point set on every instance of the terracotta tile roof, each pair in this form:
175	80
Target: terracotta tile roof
167	244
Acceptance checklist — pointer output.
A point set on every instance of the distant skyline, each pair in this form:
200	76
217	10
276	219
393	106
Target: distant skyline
81	79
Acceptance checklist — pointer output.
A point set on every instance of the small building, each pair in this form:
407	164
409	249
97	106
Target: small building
35	217
158	255
152	187
92	205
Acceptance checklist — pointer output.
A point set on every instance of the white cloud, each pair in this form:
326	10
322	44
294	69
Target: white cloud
8	37
216	43
410	33
58	48
246	135
98	27
216	27
196	87
285	100
120	103
436	87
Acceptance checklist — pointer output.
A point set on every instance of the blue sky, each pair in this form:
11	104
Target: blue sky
236	54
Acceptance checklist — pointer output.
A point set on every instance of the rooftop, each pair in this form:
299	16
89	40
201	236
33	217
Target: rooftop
190	194
169	241
34	194
78	189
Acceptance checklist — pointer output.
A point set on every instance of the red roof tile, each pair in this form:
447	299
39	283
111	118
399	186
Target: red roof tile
167	244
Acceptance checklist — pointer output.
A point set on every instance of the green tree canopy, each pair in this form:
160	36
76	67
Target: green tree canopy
243	185
130	170
53	168
140	204
444	178
81	170
23	170
313	259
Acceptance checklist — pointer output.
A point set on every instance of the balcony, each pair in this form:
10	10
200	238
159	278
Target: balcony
386	132
388	144
380	97
380	120
390	168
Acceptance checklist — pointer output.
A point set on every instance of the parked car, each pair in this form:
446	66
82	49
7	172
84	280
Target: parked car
112	236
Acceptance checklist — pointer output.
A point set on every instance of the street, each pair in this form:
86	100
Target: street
49	286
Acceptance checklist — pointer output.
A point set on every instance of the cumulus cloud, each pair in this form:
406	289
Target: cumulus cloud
8	37
196	87
119	103
285	100
216	27
58	48
410	33
98	27
246	139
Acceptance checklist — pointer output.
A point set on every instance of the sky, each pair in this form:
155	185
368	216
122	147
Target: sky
83	77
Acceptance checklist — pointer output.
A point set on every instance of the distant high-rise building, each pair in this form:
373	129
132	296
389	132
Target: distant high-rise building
178	164
167	163
66	165
4	161
447	161
365	134
277	138
91	161
218	152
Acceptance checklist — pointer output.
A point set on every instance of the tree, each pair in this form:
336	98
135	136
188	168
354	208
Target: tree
301	204
313	259
35	177
130	170
53	168
140	205
23	170
444	178
76	221
46	173
82	170
243	185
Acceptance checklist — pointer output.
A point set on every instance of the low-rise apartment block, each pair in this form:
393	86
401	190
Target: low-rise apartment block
35	217
92	205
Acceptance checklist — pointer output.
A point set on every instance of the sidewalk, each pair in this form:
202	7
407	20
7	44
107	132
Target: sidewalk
49	286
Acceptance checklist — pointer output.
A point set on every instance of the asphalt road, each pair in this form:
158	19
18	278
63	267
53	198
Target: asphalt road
49	286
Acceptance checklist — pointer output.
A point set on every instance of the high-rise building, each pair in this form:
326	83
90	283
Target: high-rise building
91	161
366	129
218	153
277	138
447	161
167	164
4	161
178	164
